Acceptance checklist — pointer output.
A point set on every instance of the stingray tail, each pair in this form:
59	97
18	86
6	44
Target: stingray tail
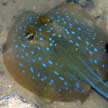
74	1
94	80
88	75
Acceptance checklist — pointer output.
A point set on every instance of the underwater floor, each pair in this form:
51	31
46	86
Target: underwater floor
11	94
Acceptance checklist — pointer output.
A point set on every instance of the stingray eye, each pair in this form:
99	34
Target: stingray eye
30	33
44	20
106	47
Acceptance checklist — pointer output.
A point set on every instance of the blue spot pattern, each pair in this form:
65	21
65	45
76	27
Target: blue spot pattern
65	57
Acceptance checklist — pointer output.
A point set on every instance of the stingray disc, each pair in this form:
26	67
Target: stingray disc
58	55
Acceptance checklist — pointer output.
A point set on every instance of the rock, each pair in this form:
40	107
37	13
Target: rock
16	102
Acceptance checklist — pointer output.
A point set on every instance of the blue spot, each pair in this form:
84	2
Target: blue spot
53	41
79	29
63	19
70	25
44	65
47	49
67	32
65	22
95	49
56	73
76	21
23	71
53	34
19	37
40	29
35	22
66	88
50	39
50	62
51	28
23	45
67	16
22	57
70	41
51	82
65	83
94	34
38	74
58	20
39	58
59	35
33	52
104	50
17	56
33	60
22	50
57	12
21	64
51	44
95	61
41	38
44	78
58	17
103	65
83	91
61	78
30	18
59	90
48	31
73	32
46	25
78	37
38	48
87	43
77	85
90	52
31	69
77	44
26	54
24	34
28	46
33	78
94	38
16	46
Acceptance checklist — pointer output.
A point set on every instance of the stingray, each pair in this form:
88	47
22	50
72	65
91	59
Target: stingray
60	55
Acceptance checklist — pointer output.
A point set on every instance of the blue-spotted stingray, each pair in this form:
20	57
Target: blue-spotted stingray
59	55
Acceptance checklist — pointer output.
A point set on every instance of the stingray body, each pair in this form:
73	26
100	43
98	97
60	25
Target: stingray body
57	55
